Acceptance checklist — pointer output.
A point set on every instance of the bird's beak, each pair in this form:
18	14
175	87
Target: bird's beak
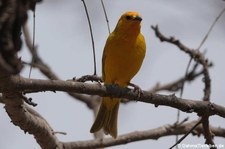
138	18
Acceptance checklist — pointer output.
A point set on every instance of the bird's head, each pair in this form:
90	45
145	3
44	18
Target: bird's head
129	21
131	17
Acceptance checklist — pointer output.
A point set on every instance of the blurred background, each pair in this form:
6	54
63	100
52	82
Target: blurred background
64	43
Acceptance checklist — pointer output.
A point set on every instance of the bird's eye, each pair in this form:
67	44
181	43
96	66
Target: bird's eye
128	17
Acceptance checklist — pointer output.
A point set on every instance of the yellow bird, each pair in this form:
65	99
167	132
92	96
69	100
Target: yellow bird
122	58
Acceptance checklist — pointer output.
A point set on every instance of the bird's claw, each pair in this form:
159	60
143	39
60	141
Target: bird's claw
136	89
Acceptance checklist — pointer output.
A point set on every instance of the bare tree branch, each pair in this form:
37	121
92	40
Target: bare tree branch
166	130
199	58
186	134
207	132
14	15
195	54
177	84
47	71
16	83
29	120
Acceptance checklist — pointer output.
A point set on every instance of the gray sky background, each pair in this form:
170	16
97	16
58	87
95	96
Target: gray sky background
63	40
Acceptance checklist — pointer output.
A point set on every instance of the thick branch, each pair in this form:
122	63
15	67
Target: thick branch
29	120
185	105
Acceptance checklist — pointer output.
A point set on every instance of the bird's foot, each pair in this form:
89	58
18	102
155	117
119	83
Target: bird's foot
136	89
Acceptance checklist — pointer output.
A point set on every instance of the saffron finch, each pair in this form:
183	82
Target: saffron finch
122	58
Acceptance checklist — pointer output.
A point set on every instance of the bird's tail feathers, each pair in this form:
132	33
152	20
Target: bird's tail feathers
107	117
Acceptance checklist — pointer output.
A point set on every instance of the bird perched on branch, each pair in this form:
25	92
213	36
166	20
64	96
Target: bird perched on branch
122	58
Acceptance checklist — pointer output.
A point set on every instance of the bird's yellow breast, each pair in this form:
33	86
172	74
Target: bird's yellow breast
122	58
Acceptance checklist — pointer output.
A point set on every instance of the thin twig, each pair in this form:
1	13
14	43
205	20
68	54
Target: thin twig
33	42
181	95
210	29
92	36
106	17
187	133
176	85
205	119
